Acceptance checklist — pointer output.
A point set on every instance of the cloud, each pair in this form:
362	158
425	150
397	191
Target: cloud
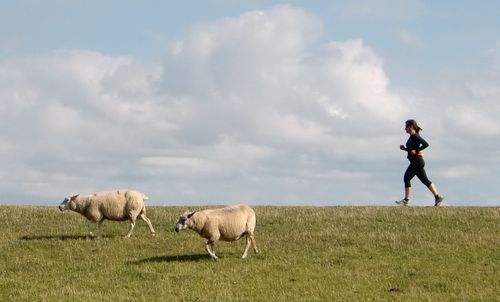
476	121
251	108
268	64
410	39
381	8
459	171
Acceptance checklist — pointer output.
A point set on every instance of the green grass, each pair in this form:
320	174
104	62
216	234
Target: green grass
307	254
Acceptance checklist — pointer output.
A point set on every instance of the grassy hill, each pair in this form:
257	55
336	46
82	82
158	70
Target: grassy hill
307	254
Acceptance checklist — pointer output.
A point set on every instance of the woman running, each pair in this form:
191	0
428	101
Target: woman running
414	147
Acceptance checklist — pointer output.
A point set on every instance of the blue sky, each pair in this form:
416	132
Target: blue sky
264	102
440	34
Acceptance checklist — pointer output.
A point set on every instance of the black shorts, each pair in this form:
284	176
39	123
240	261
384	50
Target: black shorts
416	167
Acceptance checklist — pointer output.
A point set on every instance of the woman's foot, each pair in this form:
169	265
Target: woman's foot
437	200
402	202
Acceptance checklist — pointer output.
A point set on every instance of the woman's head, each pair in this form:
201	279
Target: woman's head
412	124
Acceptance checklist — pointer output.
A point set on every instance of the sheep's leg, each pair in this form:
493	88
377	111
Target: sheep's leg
131	228
90	225
148	222
210	250
252	238
245	253
99	225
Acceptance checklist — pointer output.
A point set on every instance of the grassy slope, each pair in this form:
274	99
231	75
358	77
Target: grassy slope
307	254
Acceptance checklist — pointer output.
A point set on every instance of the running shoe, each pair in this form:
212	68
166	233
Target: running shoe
402	202
438	200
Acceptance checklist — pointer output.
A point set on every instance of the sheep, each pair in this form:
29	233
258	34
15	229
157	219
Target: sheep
119	205
228	224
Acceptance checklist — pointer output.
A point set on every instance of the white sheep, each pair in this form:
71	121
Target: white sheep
228	224
117	205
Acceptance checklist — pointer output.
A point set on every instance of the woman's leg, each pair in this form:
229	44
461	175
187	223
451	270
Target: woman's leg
433	189
407	193
437	198
422	175
409	174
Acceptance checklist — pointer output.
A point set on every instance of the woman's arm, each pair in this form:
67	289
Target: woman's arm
422	144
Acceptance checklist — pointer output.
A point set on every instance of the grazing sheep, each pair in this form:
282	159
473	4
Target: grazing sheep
228	224
118	205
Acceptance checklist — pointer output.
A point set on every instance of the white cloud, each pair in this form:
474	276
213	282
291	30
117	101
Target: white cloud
356	74
476	121
246	109
409	38
392	9
459	171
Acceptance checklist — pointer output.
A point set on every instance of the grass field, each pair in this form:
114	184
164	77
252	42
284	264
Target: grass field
307	254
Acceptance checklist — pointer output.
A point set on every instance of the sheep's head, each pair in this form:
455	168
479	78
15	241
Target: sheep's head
68	203
183	222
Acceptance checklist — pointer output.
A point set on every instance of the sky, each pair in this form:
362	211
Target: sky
257	102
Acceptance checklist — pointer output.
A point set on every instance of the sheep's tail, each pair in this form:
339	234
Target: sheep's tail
144	197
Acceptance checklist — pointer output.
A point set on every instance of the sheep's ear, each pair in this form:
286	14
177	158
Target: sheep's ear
190	215
74	196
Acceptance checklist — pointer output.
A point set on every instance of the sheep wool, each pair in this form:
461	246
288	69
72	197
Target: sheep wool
118	205
227	224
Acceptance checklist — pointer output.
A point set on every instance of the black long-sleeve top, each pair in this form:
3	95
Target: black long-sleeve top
417	143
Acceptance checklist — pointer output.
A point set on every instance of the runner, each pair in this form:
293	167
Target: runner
414	147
